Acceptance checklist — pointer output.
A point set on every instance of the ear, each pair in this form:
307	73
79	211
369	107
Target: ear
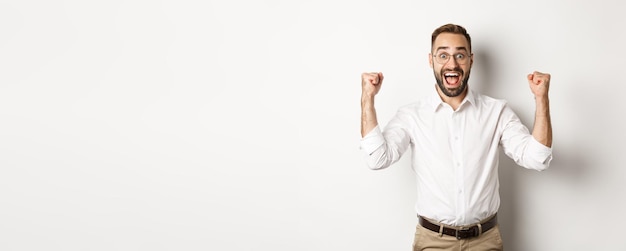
430	60
471	59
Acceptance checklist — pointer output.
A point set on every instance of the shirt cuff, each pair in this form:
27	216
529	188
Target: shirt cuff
372	141
542	153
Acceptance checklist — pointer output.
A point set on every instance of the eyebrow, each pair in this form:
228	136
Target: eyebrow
461	48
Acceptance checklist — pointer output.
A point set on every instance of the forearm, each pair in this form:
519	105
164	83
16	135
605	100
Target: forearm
368	115
542	129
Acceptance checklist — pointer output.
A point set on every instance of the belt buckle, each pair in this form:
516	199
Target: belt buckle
463	229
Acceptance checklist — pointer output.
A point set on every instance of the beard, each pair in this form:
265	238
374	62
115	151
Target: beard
452	92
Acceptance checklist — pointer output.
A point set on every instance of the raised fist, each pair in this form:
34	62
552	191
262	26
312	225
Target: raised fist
371	83
539	83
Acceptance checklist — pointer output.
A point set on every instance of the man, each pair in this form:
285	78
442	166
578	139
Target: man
455	134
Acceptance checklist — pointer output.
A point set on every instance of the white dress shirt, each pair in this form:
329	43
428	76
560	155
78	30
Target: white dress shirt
455	153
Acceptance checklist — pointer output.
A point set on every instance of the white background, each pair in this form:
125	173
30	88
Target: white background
234	125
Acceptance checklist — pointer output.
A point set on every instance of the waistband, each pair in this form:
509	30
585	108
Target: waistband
460	232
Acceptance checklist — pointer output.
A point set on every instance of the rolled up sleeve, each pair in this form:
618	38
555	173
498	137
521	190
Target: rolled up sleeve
384	147
521	146
537	155
372	141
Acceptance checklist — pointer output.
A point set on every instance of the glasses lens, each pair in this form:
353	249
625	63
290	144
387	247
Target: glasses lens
443	58
460	58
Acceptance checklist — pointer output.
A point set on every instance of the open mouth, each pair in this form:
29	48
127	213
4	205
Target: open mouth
452	78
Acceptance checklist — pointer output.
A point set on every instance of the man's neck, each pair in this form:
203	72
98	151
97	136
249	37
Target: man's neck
454	102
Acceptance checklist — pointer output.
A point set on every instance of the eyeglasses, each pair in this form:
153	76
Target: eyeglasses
461	58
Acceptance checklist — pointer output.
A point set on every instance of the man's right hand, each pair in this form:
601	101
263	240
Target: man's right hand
371	83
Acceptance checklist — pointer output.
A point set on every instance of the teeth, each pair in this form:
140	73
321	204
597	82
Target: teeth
451	74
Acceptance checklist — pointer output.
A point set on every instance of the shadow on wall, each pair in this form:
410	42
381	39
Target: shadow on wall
567	165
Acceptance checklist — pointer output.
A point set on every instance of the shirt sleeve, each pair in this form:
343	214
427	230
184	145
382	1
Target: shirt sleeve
520	145
539	152
372	141
382	148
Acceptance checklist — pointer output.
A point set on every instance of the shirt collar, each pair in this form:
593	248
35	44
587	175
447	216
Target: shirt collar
436	102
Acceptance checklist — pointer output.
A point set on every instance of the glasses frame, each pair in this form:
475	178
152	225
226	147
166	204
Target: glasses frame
437	58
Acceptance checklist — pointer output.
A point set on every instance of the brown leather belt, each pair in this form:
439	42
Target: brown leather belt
461	232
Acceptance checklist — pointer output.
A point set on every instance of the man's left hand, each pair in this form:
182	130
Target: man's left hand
539	83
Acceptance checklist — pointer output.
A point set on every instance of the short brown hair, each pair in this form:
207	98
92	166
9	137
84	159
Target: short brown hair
451	28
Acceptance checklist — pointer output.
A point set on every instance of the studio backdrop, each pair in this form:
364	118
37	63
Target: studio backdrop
234	125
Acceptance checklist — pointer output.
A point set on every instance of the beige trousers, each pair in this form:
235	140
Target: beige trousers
426	240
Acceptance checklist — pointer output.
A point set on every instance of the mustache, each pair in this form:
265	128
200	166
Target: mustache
457	69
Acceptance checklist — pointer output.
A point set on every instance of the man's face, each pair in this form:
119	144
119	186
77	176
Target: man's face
451	61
